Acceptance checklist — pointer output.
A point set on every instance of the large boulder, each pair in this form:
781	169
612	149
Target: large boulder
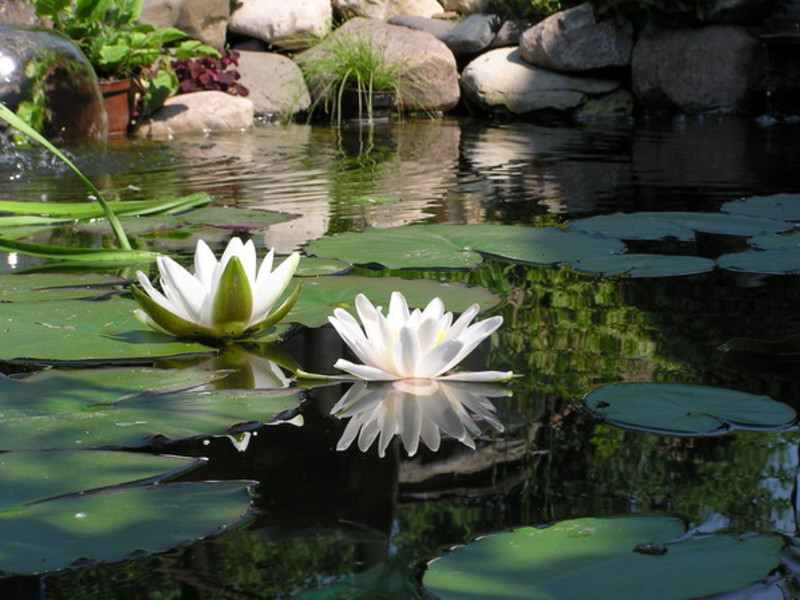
282	23
697	69
473	34
573	40
501	79
383	9
204	20
199	112
465	7
17	12
430	77
275	82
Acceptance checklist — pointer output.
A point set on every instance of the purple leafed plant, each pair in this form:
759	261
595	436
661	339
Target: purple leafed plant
210	73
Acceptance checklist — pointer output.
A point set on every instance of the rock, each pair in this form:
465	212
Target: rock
696	69
383	9
572	40
510	33
61	87
465	7
204	20
17	12
275	82
436	27
500	78
473	34
199	112
430	80
738	12
285	24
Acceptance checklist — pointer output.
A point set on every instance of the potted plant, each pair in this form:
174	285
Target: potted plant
350	78
127	56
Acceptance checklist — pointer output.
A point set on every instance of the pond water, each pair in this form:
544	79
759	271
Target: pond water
331	523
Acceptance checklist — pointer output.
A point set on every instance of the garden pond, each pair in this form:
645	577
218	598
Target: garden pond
646	447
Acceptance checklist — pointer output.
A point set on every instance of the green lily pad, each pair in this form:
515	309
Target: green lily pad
27	477
133	225
94	408
114	525
230	217
55	286
675	224
776	241
314	267
602	558
686	409
645	265
322	294
784	207
461	246
773	262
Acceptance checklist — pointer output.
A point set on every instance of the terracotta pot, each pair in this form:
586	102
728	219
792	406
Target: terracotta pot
118	97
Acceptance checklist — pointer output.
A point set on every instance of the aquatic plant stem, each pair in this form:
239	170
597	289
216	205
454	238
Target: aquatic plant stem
7	115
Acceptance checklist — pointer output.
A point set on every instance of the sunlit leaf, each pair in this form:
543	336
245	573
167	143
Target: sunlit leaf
645	265
686	409
312	267
602	558
115	525
46	286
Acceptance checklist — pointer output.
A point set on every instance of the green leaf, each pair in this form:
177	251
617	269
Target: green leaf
107	256
596	558
27	477
233	302
776	241
322	294
238	219
686	409
777	262
52	286
785	207
115	525
88	210
675	224
645	265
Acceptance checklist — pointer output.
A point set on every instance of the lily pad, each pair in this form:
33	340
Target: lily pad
133	225
602	558
645	265
322	294
55	286
675	224
461	246
776	241
107	408
785	207
686	409
314	267
772	262
114	525
27	477
230	217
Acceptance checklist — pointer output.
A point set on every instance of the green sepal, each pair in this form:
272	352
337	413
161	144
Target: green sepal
282	311
167	320
233	302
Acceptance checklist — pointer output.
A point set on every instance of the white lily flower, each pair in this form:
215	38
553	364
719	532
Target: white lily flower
416	410
223	300
419	344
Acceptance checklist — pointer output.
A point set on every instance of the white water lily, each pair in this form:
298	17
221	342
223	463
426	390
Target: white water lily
416	410
418	344
223	300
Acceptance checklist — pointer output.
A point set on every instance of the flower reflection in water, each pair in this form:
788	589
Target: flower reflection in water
251	368
416	409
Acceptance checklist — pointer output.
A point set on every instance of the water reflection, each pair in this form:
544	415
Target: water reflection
414	410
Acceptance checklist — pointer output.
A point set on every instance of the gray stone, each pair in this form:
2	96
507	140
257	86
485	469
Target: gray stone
430	78
465	7
17	12
383	9
436	27
204	20
275	82
696	69
46	70
500	78
473	34
572	41
285	24
510	33
199	112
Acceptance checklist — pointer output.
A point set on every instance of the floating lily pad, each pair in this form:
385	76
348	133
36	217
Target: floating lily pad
55	286
776	241
230	217
322	294
27	477
602	558
119	524
101	408
313	267
461	246
785	207
686	409
645	265
773	262
133	225
675	224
